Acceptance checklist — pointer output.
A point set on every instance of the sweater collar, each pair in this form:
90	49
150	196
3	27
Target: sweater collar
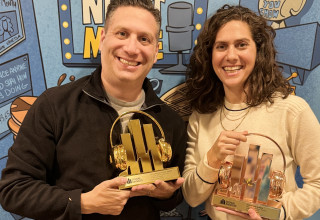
235	107
94	88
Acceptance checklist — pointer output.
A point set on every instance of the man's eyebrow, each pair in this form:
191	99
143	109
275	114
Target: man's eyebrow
119	27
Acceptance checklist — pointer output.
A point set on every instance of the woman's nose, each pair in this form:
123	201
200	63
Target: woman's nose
231	54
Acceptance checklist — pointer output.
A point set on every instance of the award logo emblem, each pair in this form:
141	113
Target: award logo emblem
249	182
140	156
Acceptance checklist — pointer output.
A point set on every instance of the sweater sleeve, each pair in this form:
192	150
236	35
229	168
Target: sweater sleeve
304	139
200	178
27	185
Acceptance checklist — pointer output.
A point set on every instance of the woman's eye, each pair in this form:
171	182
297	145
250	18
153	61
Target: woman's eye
220	47
241	45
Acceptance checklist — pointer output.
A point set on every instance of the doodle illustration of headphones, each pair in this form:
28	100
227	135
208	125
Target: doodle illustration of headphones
119	154
277	178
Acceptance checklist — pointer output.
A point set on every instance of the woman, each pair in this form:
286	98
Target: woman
235	88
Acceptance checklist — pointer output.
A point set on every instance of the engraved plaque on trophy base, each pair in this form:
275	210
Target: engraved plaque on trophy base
271	210
166	174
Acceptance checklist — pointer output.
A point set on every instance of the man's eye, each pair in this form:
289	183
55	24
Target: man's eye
122	34
145	40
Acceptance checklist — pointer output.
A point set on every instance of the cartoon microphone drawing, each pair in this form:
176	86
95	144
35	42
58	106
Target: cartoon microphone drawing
180	27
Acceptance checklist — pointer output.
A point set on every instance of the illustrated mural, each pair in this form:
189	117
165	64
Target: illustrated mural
49	43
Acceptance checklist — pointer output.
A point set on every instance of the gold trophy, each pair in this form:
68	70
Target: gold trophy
249	182
140	156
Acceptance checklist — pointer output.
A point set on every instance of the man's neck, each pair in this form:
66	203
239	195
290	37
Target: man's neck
128	92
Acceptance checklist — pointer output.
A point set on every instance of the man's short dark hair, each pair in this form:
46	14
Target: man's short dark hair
144	4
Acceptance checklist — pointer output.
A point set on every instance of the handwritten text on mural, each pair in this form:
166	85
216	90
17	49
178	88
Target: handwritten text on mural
270	9
14	78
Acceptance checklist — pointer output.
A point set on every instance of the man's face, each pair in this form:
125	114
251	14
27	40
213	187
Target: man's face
128	45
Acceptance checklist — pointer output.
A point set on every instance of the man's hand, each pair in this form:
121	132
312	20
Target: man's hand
159	189
252	214
105	198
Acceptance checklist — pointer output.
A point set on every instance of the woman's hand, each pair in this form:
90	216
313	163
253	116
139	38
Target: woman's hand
252	214
225	145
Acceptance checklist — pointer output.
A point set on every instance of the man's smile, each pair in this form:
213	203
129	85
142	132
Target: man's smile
129	63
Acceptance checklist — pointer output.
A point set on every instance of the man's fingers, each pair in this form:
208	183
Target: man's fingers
143	187
164	185
158	189
179	181
116	182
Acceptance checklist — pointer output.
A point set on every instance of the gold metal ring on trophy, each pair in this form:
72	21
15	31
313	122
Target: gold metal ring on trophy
282	153
119	154
141	154
136	111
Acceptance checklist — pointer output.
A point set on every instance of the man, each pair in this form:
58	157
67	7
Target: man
59	167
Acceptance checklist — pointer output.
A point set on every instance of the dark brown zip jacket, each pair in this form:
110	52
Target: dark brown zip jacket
63	150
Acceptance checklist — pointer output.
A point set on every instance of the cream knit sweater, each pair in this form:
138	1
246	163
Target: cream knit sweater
290	122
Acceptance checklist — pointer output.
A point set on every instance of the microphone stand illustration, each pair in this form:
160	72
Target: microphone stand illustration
180	27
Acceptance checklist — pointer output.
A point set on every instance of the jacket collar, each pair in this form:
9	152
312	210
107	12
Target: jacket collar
93	87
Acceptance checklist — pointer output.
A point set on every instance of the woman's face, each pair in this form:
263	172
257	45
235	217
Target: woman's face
233	55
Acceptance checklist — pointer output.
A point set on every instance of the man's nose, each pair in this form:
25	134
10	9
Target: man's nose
131	46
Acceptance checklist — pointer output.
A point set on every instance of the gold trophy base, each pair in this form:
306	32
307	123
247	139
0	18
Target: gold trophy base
271	210
166	174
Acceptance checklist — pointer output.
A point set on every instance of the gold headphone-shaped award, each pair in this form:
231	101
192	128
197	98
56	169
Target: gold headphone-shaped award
249	182
140	156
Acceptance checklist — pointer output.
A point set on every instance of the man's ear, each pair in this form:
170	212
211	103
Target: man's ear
103	35
157	51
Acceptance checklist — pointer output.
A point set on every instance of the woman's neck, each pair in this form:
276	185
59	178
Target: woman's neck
235	97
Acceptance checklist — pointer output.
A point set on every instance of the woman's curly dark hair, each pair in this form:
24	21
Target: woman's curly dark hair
205	92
